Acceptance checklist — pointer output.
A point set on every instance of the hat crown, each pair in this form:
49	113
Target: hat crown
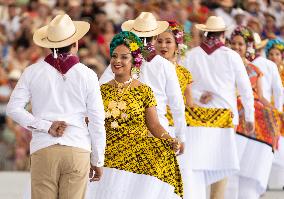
60	28
214	22
146	21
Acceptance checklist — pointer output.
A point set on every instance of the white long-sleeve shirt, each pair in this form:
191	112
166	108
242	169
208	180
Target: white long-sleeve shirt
220	73
271	81
54	99
161	76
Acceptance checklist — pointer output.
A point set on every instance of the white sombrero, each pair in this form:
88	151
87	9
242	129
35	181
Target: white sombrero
60	32
213	24
145	25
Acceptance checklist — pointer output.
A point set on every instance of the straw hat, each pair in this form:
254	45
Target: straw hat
258	42
15	74
60	32
213	24
145	25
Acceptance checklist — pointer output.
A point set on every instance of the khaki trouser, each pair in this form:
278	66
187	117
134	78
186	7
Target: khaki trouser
218	189
59	172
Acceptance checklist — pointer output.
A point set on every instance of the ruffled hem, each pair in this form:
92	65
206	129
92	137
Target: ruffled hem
119	184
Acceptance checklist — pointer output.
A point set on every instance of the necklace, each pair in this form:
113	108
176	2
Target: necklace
121	85
118	106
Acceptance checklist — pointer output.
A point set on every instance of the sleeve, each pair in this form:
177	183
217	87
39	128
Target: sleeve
96	116
175	100
106	76
20	97
244	87
189	66
277	88
150	99
188	76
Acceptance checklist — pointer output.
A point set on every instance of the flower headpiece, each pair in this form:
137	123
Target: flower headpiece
133	42
247	34
180	36
275	43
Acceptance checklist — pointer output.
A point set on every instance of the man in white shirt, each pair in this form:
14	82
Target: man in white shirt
216	71
63	92
157	72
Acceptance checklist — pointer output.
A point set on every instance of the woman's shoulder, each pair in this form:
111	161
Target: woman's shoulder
141	86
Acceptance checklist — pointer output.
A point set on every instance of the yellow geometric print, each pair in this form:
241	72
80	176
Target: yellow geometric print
200	116
129	147
184	78
209	117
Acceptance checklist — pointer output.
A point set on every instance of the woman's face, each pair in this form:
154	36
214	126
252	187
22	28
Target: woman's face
238	44
121	61
275	56
166	45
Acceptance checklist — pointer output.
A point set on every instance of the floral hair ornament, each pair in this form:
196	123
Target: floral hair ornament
135	45
247	34
182	39
275	43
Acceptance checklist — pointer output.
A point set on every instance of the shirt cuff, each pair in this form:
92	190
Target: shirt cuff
249	116
41	125
96	161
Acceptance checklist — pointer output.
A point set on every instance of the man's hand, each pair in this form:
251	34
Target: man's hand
95	173
250	127
57	128
206	97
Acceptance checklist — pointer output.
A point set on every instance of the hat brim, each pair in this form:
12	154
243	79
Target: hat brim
205	29
40	36
262	44
162	27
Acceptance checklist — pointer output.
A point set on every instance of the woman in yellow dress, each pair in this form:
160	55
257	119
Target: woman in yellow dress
137	165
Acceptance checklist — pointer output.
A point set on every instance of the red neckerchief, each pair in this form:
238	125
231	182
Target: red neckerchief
150	52
209	45
63	63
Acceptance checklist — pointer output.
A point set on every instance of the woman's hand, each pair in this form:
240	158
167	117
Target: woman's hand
177	146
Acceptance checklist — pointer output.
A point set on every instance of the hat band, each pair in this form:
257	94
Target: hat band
144	31
62	39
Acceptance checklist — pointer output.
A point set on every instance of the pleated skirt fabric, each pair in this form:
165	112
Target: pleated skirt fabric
279	154
119	184
256	160
212	151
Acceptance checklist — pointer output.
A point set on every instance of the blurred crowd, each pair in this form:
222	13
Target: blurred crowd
20	18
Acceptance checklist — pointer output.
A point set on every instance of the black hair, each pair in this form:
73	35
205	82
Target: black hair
65	49
215	34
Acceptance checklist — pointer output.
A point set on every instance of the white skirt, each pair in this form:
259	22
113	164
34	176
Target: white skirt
279	154
193	182
255	160
212	151
119	184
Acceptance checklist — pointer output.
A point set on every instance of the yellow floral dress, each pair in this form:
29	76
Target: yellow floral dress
184	78
200	116
129	147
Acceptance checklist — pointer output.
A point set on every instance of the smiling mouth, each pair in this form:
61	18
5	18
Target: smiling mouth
117	66
164	51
